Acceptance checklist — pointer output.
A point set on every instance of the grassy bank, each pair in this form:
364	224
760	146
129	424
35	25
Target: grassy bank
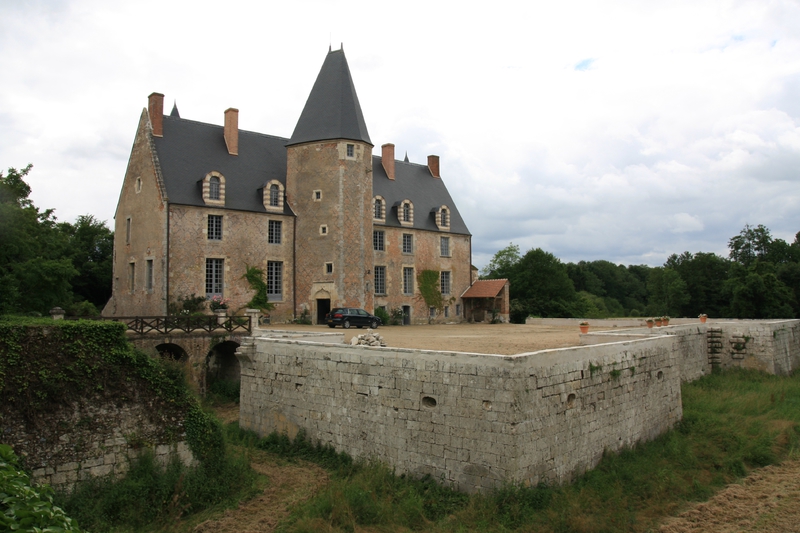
733	422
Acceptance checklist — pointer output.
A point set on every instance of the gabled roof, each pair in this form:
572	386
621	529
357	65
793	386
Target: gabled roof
332	110
414	182
189	150
485	288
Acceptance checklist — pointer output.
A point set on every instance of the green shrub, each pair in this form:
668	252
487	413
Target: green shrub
381	313
24	507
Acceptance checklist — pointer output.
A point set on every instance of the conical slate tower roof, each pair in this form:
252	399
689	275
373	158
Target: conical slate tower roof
332	110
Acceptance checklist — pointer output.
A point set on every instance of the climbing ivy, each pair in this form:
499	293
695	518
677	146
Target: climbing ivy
255	277
429	282
49	364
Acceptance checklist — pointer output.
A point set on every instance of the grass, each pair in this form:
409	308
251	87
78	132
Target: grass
733	422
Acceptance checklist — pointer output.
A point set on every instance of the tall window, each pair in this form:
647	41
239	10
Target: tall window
380	280
406	212
350	150
444	218
444	246
148	275
131	276
214	277
379	240
408	243
408	280
274	232
213	188
128	230
445	282
274	280
274	195
378	208
215	227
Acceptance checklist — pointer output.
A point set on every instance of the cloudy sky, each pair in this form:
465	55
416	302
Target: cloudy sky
614	130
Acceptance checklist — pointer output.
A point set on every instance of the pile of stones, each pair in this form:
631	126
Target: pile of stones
368	339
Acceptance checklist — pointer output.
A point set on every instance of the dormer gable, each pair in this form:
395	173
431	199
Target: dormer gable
213	185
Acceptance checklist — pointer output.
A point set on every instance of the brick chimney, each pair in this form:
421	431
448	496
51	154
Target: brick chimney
231	132
387	158
433	165
155	108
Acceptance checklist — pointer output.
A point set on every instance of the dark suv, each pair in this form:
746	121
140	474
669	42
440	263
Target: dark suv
348	316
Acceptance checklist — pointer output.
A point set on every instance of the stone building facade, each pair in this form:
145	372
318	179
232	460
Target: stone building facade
329	223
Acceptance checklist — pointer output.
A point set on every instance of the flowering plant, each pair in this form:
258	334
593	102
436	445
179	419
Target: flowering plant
218	302
583	324
701	315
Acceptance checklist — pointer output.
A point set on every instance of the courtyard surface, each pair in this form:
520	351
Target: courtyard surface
503	339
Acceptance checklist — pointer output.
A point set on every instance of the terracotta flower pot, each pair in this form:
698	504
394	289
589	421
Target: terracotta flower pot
650	325
658	323
703	319
584	329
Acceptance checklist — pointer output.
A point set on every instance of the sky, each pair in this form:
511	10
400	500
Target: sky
617	130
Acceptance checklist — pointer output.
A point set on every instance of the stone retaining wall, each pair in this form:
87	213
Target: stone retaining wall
473	420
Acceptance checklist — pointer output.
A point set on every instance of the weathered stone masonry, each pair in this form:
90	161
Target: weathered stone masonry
477	420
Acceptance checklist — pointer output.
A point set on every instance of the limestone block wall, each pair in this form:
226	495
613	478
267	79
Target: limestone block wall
93	439
473	420
769	346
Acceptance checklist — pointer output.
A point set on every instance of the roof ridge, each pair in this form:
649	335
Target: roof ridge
222	127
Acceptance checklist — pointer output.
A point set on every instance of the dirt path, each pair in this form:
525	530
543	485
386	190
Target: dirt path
289	485
767	501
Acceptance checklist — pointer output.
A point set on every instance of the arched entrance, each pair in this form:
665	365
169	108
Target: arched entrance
223	373
172	351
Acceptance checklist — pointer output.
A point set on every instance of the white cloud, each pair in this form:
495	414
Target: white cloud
624	130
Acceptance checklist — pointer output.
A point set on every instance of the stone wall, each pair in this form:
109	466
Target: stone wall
98	439
769	346
473	420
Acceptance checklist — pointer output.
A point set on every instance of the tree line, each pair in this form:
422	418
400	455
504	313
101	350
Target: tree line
45	263
759	279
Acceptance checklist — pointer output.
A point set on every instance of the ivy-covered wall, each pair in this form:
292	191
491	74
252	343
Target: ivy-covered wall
76	400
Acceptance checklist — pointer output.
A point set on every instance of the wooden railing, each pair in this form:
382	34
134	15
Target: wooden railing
186	324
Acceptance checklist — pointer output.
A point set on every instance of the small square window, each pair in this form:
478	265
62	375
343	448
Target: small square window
323	230
317	195
329	268
351	150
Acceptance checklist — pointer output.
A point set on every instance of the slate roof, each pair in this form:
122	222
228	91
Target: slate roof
189	150
332	110
485	288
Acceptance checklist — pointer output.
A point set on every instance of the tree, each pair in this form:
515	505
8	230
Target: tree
667	292
540	283
751	244
90	248
502	263
756	292
705	275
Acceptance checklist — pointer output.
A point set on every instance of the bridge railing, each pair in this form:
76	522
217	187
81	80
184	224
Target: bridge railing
186	324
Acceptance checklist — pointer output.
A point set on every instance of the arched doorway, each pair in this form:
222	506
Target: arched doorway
223	373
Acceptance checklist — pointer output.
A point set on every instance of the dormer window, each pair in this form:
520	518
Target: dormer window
405	213
214	188
273	196
379	211
441	216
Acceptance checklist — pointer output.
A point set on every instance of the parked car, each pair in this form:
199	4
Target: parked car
348	316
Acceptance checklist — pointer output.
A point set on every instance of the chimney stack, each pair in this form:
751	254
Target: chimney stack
231	132
433	165
387	158
155	108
